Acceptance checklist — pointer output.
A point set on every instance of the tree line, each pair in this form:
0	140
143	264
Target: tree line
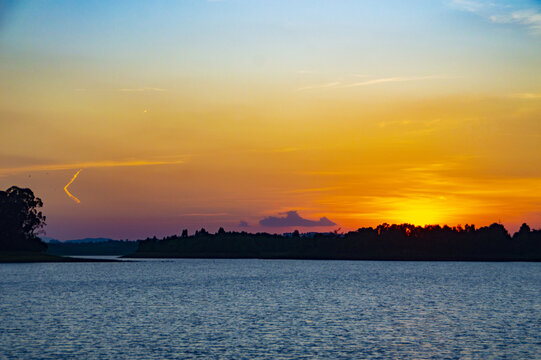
385	242
21	221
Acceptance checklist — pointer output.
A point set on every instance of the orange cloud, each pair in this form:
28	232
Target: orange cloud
85	165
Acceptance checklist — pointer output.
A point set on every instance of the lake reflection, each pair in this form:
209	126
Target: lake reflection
270	309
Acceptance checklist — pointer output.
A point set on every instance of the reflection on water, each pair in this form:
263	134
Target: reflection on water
270	309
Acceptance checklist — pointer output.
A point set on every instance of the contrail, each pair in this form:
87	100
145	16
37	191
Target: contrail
68	184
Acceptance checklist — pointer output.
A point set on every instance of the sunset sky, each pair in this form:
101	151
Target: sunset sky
190	114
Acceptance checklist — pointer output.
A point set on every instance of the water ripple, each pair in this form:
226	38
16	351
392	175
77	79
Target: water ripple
248	309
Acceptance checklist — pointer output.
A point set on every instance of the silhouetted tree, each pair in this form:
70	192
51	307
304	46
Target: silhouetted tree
201	232
20	220
184	233
524	228
385	242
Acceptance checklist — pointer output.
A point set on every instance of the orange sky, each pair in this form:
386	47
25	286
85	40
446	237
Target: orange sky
435	118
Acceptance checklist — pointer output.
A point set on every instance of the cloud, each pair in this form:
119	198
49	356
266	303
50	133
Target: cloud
321	189
85	165
501	13
320	86
243	224
470	5
292	218
393	79
341	85
286	149
206	214
528	18
141	89
527	96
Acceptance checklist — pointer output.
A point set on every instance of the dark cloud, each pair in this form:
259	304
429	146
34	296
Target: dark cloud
243	223
292	218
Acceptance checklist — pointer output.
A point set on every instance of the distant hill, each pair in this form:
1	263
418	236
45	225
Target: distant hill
76	241
88	240
48	240
92	246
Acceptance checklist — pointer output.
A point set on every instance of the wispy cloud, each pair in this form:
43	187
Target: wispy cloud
528	18
501	13
392	79
286	149
205	214
329	173
311	190
343	85
86	165
320	86
141	89
526	96
471	5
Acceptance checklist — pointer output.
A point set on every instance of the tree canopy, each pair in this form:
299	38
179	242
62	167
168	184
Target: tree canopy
385	242
20	220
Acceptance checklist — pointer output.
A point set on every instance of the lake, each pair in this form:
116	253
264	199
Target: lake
279	309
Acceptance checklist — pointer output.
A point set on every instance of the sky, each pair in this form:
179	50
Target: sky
134	119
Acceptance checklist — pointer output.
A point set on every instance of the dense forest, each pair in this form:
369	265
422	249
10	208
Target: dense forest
385	242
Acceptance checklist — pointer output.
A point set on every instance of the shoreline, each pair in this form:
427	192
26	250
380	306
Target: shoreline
30	257
336	258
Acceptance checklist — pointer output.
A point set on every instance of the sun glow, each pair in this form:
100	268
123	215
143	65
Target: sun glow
424	211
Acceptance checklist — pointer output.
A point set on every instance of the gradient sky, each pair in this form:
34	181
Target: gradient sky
184	114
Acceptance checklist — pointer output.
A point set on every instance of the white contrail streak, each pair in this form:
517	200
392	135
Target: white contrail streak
68	184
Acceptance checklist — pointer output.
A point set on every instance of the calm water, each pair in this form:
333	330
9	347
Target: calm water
270	309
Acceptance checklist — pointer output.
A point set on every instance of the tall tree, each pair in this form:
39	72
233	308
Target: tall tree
20	220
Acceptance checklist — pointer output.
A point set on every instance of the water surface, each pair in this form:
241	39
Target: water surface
191	308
